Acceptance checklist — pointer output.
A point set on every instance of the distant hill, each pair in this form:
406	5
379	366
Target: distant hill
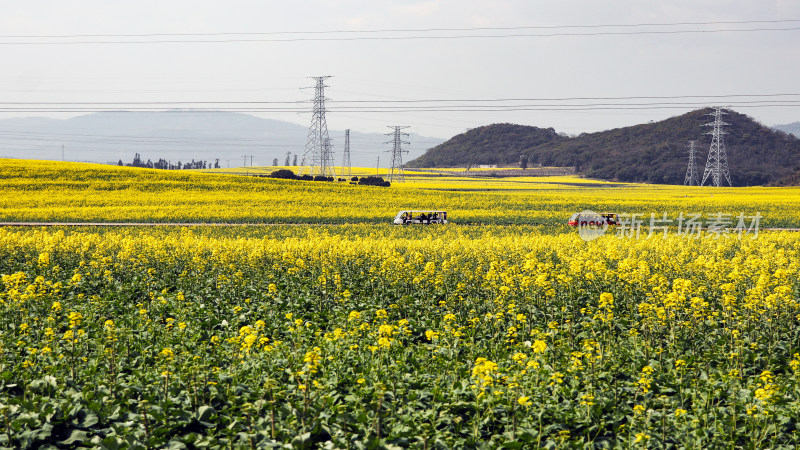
492	144
653	153
793	128
181	136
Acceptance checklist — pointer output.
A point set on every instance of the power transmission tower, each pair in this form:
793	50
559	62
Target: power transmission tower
717	163
328	169
288	154
692	177
397	153
346	166
317	157
294	160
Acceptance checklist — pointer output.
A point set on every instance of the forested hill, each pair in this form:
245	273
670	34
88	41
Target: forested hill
655	152
492	144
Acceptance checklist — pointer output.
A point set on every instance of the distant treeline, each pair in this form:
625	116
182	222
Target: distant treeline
168	165
368	181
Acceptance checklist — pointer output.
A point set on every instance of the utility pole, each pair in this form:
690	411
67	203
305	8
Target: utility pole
317	157
397	153
251	160
346	156
717	163
692	178
245	160
378	166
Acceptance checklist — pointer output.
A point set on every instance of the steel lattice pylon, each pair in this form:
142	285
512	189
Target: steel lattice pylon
692	177
326	165
717	163
346	166
318	158
397	153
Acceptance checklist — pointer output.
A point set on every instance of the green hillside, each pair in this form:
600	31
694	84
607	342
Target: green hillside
492	144
653	153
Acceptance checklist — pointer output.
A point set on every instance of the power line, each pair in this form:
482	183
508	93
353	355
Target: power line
419	105
452	108
174	37
406	30
405	38
304	103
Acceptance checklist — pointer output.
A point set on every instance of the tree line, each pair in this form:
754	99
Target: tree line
168	165
364	181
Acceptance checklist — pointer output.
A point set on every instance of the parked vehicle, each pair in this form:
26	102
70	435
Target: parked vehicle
425	217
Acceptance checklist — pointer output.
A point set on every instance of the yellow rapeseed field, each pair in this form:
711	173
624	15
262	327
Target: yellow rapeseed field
505	329
55	191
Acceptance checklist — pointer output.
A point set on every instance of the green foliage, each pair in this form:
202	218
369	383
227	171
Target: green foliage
283	173
477	337
652	153
491	144
373	181
793	179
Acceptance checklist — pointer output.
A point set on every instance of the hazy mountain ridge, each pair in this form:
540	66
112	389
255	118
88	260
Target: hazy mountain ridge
655	152
183	136
793	128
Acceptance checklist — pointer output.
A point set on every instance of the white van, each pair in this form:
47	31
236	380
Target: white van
425	217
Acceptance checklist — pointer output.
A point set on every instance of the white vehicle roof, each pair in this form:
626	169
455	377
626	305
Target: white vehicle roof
420	211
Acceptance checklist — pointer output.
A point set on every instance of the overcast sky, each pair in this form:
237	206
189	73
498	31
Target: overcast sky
159	54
